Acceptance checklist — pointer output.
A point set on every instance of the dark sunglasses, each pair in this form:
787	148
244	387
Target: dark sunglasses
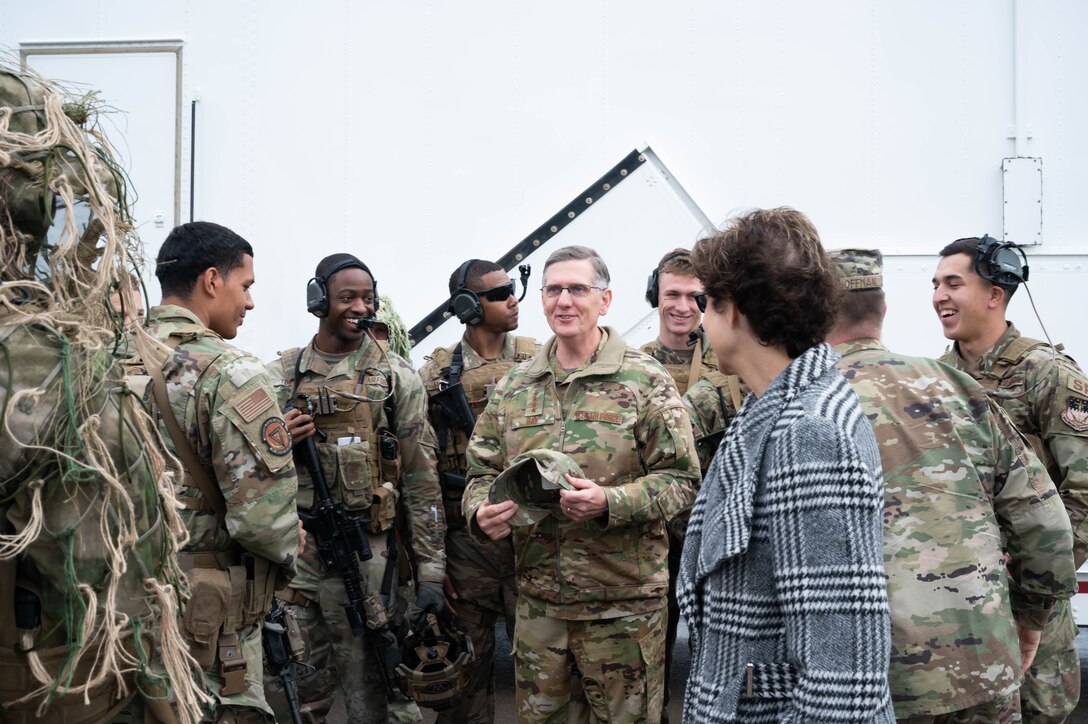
498	294
700	301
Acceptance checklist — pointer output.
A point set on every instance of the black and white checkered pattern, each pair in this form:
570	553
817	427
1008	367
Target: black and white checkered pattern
783	561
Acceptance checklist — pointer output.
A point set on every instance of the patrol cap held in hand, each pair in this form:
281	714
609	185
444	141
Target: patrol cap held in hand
859	268
533	481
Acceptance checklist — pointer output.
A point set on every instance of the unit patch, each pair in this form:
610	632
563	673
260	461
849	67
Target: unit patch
1075	414
254	404
1078	385
276	436
610	417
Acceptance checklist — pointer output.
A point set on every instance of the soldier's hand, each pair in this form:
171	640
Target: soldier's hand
585	503
1029	645
492	518
299	424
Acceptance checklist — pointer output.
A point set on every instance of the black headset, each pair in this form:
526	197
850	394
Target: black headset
317	291
651	283
465	304
998	262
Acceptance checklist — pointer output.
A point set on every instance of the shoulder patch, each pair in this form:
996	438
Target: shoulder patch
1078	385
1075	414
276	436
254	404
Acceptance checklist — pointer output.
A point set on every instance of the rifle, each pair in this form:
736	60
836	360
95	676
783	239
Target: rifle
282	658
342	544
453	408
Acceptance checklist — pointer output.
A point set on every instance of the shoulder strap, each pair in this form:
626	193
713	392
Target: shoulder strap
648	348
524	348
734	392
213	495
1013	354
696	362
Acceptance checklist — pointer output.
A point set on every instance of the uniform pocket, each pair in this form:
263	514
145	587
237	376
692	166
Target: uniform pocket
353	469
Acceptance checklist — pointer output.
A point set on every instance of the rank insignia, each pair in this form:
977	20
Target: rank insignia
1075	414
276	436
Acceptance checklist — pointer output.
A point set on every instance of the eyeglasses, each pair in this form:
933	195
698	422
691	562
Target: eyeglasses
578	291
700	301
498	294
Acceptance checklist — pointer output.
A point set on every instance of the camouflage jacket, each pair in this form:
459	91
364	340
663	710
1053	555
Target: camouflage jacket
961	488
224	402
375	370
620	418
1046	396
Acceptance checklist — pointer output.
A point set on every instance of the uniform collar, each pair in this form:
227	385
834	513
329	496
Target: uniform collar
607	360
862	344
986	362
368	355
471	359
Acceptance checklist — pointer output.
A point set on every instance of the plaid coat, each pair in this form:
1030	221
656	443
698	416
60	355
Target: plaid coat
782	578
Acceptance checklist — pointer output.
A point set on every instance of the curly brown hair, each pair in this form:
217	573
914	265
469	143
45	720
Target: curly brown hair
770	263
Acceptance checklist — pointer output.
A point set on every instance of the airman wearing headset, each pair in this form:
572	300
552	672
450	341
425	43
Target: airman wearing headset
1046	395
712	398
378	456
480	577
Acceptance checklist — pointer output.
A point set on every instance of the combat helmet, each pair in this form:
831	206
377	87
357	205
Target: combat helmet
533	481
434	666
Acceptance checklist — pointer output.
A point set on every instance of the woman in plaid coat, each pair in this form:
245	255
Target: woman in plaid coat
782	579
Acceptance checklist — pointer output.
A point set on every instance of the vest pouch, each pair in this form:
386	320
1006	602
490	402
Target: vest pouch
258	592
383	511
354	476
389	457
206	612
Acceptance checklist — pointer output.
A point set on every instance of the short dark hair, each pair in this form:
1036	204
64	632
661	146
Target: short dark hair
193	248
477	269
969	245
769	262
352	262
862	307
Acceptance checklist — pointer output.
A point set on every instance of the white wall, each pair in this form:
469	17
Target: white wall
418	134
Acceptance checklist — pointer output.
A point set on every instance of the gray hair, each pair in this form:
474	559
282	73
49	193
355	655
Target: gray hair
577	253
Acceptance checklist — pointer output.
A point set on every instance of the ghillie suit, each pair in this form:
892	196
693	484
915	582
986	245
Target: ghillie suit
89	583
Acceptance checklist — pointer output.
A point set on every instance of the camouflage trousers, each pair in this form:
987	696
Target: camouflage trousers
602	670
483	577
251	705
1051	687
345	665
998	711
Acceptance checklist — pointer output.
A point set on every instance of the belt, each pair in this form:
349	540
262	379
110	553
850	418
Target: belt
770	681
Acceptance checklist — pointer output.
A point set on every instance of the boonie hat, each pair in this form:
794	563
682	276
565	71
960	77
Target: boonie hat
859	268
533	481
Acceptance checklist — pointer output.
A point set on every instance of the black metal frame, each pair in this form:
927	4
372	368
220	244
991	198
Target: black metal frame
543	233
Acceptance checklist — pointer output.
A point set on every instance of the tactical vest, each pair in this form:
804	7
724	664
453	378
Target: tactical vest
1003	366
478	384
703	363
360	455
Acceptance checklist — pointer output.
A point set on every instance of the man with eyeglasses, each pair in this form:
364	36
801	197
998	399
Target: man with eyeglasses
459	381
712	397
591	576
368	409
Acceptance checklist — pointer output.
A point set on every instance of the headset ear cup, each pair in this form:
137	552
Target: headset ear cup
651	289
377	299
317	300
466	305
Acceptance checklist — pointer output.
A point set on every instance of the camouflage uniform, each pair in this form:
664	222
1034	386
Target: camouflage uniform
482	573
399	491
1046	396
958	481
224	402
706	391
591	595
